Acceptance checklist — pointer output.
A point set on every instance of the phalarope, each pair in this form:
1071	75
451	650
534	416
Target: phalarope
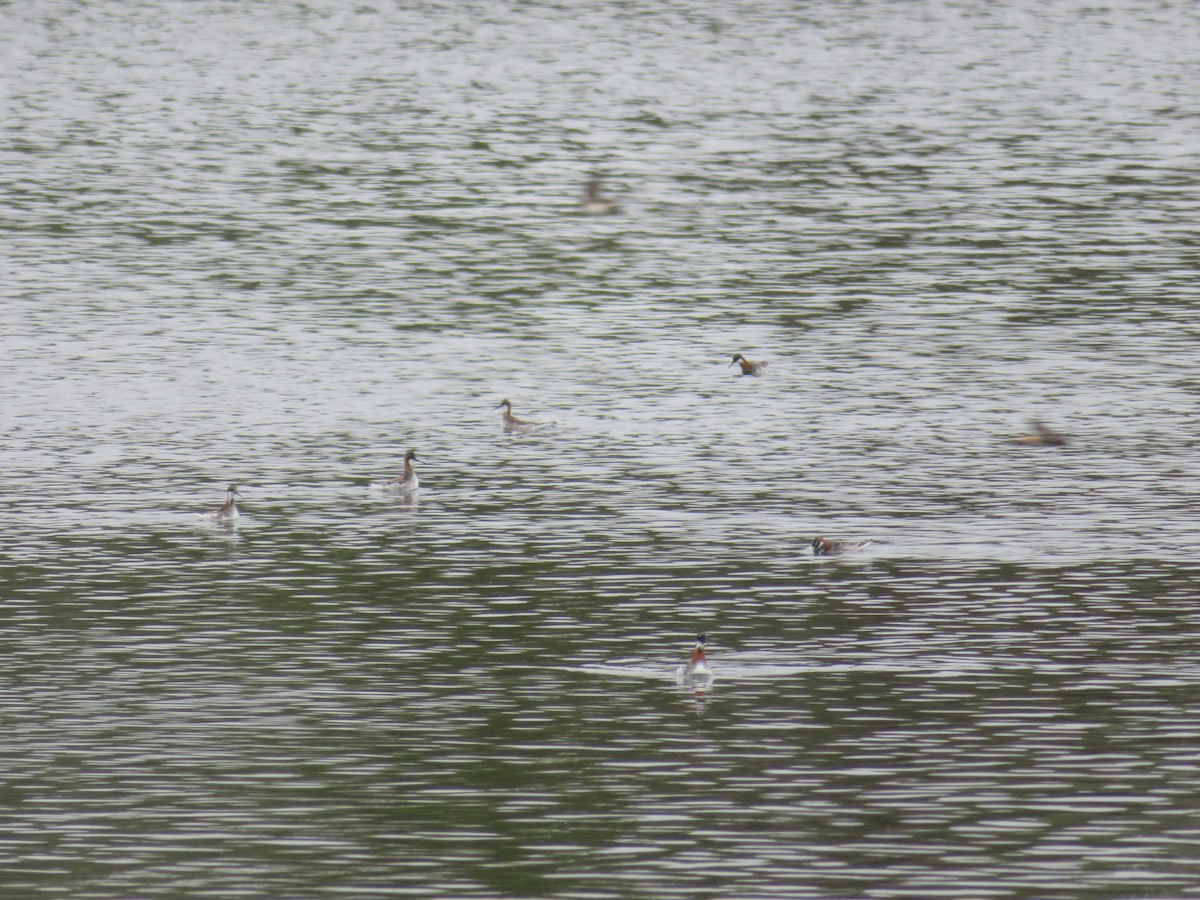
229	511
595	203
825	547
511	421
1041	436
748	368
697	666
408	482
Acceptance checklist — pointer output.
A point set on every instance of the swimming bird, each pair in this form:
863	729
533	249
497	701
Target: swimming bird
748	368
408	482
1041	436
595	203
229	511
825	547
697	666
511	421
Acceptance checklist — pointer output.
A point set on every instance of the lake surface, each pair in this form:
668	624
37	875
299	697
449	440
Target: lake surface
279	244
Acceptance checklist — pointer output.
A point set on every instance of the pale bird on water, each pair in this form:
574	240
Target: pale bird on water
408	482
511	422
228	512
594	202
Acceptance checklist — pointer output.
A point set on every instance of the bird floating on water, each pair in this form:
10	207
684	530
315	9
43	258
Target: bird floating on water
1041	436
696	669
511	422
825	547
595	203
408	482
748	368
227	512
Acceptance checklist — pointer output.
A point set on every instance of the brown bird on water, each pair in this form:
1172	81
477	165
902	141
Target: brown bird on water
697	667
595	203
748	368
1041	437
825	547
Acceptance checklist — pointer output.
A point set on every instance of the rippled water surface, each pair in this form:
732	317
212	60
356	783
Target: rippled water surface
279	244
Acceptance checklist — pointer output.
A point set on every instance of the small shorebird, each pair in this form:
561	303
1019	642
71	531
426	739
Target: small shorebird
593	202
1041	436
825	547
697	666
229	511
408	482
512	422
748	368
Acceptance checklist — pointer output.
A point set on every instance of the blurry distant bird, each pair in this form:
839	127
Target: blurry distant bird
825	547
748	368
1041	436
594	202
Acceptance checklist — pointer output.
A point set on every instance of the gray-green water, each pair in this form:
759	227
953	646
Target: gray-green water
281	243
